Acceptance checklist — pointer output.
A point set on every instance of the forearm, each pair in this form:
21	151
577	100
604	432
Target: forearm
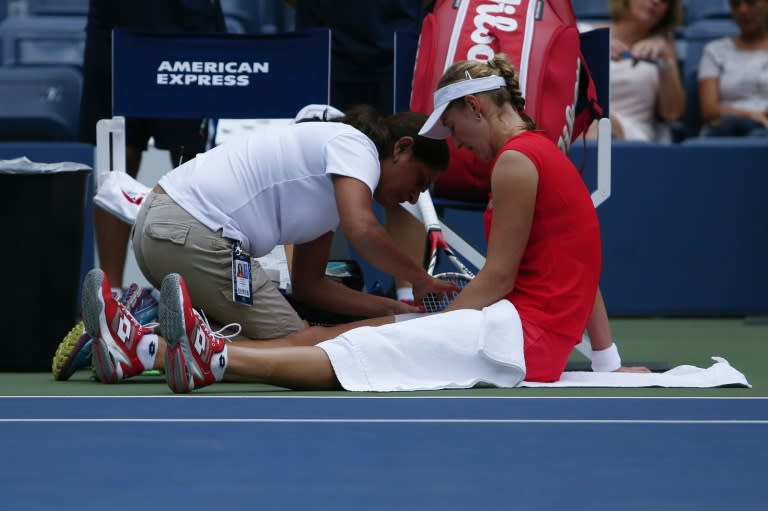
332	296
723	109
604	352
598	326
486	288
378	248
671	95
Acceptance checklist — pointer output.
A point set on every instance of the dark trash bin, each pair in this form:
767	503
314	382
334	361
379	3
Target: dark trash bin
42	211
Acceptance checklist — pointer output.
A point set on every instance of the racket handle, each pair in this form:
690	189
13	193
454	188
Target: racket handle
428	213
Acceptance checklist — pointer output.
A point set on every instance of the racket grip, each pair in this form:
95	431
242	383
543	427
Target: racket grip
428	213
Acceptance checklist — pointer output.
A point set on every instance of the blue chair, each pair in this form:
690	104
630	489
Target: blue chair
39	103
260	17
276	17
57	7
244	12
589	11
42	40
706	9
234	25
697	35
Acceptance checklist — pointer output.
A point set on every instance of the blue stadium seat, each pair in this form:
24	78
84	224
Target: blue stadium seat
276	17
234	25
706	9
42	40
697	35
259	17
590	11
57	7
243	12
39	103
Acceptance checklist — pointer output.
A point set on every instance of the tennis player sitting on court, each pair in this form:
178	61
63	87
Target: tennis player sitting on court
534	293
292	185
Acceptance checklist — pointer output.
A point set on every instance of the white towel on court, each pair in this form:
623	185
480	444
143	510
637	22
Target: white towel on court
719	374
469	348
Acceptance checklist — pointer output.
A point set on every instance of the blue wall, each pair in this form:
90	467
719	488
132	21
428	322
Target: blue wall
685	231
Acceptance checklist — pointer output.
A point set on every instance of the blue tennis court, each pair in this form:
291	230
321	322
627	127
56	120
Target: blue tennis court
387	453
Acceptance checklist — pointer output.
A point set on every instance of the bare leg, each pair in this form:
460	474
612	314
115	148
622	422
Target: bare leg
299	367
112	233
306	337
177	157
295	367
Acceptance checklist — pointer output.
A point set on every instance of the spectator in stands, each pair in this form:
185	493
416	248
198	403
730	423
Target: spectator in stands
646	88
294	184
733	76
523	299
182	137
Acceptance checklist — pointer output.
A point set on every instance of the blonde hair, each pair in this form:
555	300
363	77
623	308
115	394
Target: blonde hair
617	9
499	65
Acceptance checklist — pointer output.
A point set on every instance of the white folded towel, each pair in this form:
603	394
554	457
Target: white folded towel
719	374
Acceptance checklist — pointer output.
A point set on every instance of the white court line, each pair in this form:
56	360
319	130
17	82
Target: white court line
390	421
200	396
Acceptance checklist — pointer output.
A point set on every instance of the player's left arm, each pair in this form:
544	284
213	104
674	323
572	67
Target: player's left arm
514	183
602	343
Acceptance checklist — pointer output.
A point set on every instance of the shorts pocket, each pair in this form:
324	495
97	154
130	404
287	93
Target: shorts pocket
175	233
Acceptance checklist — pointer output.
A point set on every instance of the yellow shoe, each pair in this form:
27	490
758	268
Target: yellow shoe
72	354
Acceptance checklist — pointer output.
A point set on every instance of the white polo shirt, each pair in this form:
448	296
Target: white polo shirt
274	187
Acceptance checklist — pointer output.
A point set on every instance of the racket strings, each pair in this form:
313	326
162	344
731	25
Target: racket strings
436	303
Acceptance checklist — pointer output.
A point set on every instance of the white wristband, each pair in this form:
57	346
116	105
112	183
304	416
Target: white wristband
607	360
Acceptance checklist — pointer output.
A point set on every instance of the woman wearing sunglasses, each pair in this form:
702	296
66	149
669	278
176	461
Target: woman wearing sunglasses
733	75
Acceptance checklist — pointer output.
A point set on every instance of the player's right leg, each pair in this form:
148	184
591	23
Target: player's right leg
195	356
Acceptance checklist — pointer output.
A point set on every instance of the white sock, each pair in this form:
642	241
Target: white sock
405	293
219	364
147	350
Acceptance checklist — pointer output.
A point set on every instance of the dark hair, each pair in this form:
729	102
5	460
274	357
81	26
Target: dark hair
385	131
499	65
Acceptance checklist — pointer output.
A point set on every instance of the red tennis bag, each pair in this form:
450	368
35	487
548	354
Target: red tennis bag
540	38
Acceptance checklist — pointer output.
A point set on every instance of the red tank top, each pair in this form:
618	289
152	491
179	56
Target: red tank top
560	269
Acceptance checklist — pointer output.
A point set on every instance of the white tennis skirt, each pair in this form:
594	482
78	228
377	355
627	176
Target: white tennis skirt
453	350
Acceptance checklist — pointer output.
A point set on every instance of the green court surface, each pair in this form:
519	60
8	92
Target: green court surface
665	341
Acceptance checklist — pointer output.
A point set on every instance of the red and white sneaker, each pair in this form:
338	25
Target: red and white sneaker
195	357
116	331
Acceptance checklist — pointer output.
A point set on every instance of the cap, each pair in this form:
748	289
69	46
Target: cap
442	97
322	112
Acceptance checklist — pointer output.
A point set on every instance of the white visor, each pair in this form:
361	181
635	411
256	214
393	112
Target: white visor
442	97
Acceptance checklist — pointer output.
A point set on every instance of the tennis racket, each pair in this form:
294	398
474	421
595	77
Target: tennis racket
435	303
437	243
